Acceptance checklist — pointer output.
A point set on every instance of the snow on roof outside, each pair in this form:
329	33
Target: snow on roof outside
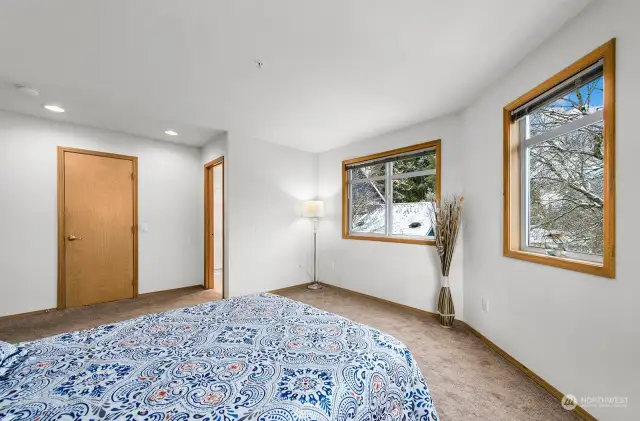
404	215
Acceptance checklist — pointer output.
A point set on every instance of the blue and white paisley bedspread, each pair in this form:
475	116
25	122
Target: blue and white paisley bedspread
259	357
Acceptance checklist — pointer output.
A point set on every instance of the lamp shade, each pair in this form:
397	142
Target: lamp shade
313	209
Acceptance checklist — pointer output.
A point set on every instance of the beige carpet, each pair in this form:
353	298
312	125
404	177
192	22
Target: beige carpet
468	381
35	326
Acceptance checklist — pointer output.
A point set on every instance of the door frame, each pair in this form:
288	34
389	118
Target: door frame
62	244
209	224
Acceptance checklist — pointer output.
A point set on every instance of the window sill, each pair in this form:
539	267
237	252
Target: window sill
389	239
604	270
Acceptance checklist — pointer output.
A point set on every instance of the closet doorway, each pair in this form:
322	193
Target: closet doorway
214	226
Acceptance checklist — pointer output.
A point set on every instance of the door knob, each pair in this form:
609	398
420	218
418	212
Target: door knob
74	238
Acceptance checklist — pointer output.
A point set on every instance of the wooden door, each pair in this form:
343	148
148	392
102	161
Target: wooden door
99	238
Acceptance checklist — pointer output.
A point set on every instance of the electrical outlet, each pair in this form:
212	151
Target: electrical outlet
485	305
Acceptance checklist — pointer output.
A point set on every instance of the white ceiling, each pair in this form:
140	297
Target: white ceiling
335	71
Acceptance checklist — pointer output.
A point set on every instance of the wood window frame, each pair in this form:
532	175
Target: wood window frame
512	199
436	144
62	237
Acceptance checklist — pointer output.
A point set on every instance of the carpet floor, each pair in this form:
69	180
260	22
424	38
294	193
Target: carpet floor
468	381
40	325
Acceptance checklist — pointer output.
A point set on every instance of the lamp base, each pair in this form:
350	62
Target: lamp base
315	286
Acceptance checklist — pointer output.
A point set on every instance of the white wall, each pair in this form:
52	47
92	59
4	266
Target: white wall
215	148
405	273
579	332
170	188
269	242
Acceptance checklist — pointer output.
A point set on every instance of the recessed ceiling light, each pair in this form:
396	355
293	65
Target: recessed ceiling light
27	90
171	133
54	108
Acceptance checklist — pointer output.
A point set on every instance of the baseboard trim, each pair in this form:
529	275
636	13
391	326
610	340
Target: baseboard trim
581	412
28	313
47	310
171	289
418	311
279	290
382	300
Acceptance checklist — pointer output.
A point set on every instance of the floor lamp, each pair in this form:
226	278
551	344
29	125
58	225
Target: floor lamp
314	209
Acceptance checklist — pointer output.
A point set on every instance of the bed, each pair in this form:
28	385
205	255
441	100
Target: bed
259	357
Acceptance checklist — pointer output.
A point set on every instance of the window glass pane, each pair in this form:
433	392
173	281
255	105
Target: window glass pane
410	206
566	192
417	163
586	99
368	207
368	172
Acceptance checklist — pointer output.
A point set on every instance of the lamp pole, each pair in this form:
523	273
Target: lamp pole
315	285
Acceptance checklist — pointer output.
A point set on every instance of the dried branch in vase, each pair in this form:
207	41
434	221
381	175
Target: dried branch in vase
446	219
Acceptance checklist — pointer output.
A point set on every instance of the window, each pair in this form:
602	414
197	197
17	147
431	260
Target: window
559	169
386	196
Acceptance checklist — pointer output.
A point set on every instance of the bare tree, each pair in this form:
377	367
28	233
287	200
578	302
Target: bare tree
566	174
368	199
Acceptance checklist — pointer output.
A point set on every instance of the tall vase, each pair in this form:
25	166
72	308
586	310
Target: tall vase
446	311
